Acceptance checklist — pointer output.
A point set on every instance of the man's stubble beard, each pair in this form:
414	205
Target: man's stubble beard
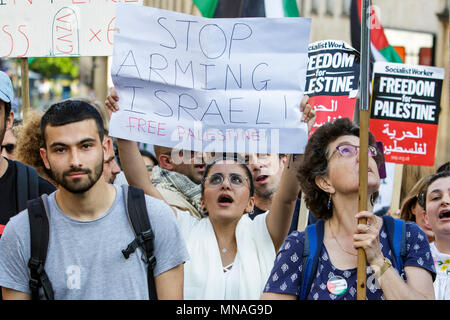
78	187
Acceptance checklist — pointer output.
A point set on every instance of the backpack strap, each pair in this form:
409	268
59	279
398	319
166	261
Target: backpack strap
39	235
27	184
396	231
138	215
313	245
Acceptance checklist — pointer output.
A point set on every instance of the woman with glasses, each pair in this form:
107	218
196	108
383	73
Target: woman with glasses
329	179
230	255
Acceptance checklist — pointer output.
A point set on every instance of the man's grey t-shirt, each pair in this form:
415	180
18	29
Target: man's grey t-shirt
85	260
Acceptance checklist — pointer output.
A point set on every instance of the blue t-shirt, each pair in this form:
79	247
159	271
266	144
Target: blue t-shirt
286	274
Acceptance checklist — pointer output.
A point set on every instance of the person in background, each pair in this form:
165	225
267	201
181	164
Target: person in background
435	198
110	168
149	160
29	142
10	141
444	167
11	190
329	179
411	210
267	171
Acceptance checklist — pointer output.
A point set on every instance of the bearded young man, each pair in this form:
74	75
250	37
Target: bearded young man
89	226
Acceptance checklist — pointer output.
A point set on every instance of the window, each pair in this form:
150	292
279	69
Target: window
330	7
314	6
346	7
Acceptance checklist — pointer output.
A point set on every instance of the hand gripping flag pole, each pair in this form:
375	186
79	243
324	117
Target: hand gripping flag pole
363	138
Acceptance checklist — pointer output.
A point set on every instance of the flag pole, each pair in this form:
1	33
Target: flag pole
363	138
25	88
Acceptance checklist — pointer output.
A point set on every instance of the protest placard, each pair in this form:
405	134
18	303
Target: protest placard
224	85
43	28
332	80
405	111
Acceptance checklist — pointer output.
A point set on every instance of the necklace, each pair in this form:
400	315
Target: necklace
335	239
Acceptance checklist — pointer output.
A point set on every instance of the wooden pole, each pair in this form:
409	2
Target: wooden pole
363	140
396	189
101	78
303	215
25	87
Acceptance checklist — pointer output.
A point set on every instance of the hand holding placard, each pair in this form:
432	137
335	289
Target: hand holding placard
220	82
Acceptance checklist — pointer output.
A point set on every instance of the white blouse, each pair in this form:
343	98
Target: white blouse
442	265
204	277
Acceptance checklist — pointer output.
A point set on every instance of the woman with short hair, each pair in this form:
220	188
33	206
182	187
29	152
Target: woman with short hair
329	180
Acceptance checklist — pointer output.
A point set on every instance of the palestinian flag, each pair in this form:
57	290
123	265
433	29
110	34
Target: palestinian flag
381	49
247	8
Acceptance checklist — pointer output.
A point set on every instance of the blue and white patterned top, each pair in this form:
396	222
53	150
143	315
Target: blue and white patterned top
286	274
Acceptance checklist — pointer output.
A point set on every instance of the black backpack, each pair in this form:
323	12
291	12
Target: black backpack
27	184
39	233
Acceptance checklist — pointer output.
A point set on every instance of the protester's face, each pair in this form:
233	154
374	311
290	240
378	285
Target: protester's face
227	198
189	163
149	164
343	171
419	212
266	170
438	206
9	144
5	121
74	154
110	167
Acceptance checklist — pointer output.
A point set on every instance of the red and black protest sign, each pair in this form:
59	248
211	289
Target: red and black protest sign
332	80
405	111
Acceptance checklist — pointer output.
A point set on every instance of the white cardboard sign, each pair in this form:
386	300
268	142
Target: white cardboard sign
44	28
224	85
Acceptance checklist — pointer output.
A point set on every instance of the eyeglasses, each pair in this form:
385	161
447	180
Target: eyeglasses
9	148
349	150
216	180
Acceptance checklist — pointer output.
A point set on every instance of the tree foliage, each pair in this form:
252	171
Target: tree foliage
51	67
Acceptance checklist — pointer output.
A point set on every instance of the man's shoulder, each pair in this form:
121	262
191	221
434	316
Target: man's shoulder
43	185
18	225
173	196
156	205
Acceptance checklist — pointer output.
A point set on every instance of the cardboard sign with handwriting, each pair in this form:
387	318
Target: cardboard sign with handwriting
223	85
58	28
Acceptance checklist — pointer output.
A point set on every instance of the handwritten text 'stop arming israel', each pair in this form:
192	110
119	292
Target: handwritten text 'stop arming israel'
210	84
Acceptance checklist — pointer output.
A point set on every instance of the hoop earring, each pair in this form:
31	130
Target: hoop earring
329	202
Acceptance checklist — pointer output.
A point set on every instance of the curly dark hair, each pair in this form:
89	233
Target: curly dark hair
315	163
70	111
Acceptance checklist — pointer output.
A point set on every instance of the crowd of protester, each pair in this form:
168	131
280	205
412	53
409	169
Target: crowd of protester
223	226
